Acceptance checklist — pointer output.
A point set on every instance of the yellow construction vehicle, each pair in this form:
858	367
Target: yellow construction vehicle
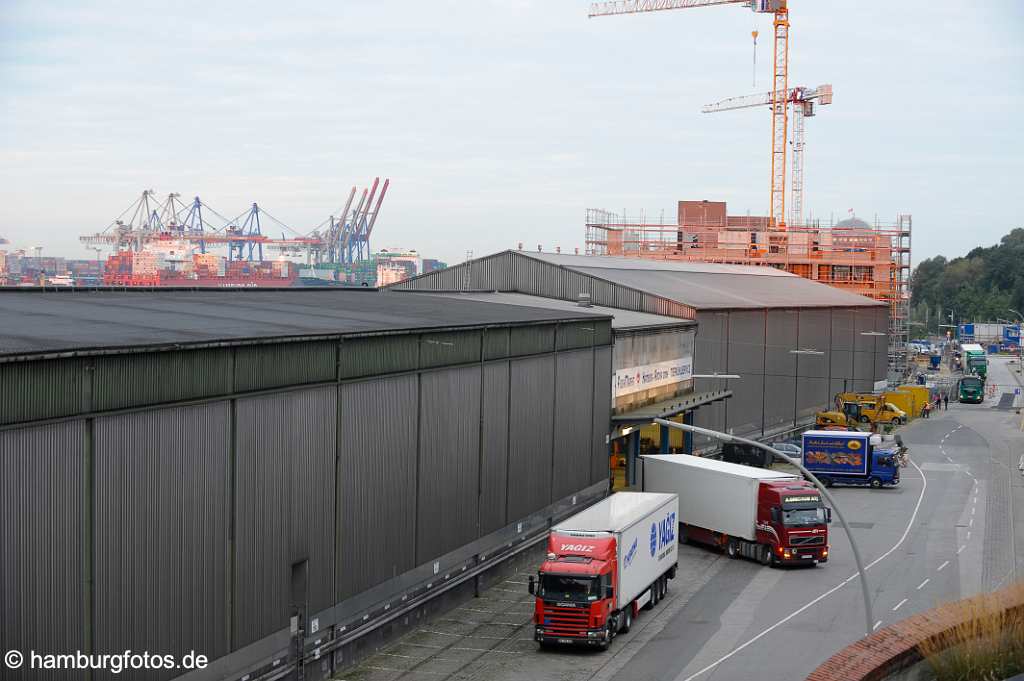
860	408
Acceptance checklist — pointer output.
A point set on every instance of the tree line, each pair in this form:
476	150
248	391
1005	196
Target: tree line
982	286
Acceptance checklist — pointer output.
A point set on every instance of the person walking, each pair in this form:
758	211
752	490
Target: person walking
945	401
927	410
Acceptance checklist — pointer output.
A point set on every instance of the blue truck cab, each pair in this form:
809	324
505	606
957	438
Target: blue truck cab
851	458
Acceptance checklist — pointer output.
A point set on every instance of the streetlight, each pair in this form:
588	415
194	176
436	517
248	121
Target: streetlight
725	437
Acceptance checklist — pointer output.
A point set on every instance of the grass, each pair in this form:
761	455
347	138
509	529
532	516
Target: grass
987	645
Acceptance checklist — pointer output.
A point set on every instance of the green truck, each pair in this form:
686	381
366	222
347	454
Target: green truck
974	360
971	389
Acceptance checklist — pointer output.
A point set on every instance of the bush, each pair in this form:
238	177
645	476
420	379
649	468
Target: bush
986	645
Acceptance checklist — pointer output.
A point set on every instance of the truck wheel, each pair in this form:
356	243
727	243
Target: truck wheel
864	419
664	587
875	483
731	549
764	554
627	619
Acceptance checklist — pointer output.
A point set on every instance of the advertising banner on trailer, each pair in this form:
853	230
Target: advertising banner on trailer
838	453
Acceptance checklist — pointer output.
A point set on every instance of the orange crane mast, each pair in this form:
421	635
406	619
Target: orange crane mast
780	75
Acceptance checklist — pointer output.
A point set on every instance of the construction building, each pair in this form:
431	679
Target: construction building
852	255
278	479
791	343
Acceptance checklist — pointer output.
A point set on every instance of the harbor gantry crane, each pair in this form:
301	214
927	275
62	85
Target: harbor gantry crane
803	100
780	75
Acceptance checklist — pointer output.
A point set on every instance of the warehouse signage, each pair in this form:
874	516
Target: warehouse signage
647	376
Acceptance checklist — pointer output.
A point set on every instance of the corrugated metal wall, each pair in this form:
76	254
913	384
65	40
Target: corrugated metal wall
602	414
574	422
531	427
376	523
494	446
123	381
43	474
284	506
449	461
197	512
161	508
41	389
812	386
711	350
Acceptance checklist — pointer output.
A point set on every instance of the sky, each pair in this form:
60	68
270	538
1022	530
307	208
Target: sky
501	122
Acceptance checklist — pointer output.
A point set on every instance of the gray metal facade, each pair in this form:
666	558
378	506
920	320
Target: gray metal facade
778	388
173	517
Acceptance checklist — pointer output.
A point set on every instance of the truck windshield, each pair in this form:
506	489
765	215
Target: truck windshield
803	516
566	588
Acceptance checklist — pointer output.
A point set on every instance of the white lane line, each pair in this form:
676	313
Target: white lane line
973	508
943	565
968	535
949	459
877	624
837	587
921	585
971	524
959	550
899	605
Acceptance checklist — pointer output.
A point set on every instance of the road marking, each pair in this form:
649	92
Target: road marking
877	624
949	459
959	550
968	535
837	587
943	565
971	524
899	605
921	585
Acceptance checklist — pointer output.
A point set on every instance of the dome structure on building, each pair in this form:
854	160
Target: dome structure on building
852	223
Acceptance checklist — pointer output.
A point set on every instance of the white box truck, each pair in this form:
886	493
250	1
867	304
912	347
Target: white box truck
766	515
603	565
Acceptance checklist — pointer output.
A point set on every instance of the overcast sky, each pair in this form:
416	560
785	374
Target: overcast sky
501	122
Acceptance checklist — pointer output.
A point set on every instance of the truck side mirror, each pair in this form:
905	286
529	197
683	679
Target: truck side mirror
609	591
828	515
774	514
532	586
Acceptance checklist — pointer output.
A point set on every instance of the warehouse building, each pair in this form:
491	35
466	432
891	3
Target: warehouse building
653	377
792	343
249	474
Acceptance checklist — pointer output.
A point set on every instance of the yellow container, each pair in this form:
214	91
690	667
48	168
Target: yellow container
921	396
905	400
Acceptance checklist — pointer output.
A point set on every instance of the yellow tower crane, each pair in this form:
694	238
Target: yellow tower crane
803	100
780	75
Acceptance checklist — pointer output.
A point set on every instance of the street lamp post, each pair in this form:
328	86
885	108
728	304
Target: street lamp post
725	437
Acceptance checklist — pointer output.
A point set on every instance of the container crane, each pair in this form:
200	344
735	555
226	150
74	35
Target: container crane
803	100
780	75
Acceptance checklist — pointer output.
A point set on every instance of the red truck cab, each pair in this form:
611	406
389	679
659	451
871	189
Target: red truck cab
792	522
574	589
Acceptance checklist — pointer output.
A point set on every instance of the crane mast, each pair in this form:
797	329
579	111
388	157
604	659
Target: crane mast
780	77
803	101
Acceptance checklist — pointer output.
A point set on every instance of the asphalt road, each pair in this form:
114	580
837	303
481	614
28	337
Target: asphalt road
954	527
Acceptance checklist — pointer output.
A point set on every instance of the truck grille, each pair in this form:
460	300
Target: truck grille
566	621
806	541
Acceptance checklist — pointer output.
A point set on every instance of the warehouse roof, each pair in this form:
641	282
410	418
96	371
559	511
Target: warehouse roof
622	320
35	321
709	285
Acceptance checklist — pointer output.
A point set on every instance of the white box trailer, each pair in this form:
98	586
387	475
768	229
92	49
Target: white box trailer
644	528
716	495
765	515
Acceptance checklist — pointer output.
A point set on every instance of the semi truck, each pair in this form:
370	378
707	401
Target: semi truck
851	457
971	390
974	360
769	516
603	565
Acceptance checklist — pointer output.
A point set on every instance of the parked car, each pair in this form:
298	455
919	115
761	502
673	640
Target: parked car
790	449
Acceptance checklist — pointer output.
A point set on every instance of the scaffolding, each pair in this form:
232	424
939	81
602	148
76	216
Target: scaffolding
871	260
